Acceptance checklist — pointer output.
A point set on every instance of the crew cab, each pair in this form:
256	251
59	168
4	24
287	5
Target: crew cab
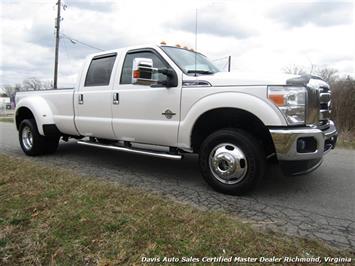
166	101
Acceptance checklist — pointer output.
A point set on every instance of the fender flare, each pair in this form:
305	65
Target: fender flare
266	112
40	110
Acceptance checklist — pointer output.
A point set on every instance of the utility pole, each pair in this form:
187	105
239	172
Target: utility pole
229	63
57	28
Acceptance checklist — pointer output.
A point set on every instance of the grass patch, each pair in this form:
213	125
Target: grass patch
7	119
348	144
52	216
346	139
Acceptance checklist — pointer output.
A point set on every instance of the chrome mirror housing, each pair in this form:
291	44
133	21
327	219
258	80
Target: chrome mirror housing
142	71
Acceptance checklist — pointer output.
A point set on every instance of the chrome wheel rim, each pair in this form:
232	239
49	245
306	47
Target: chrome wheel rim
228	163
27	138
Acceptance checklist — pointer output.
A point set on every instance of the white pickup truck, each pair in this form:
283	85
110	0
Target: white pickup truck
166	101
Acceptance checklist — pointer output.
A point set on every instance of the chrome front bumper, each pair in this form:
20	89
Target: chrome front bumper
287	147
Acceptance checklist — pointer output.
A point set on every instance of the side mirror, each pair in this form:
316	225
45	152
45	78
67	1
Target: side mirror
171	78
142	71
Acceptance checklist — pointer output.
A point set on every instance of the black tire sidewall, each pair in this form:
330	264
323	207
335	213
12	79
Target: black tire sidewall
250	147
35	135
41	144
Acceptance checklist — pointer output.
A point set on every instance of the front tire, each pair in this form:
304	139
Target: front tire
32	143
231	161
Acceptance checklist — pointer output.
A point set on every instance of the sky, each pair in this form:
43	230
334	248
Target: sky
260	36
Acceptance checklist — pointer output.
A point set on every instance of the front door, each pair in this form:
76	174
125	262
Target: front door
146	113
93	100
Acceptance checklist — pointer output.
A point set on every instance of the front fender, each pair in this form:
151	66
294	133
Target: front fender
265	111
40	110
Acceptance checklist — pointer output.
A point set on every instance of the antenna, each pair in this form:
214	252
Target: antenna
312	65
229	63
196	42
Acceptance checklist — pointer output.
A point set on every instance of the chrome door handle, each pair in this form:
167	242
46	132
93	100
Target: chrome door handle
116	98
81	99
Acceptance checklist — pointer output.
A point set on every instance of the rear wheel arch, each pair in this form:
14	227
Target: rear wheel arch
220	118
34	107
21	114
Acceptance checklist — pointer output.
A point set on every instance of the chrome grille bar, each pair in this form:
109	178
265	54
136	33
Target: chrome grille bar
324	99
324	114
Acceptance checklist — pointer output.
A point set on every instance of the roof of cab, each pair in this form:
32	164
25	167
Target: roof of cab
124	49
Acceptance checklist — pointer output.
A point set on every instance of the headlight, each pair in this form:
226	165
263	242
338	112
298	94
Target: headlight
291	101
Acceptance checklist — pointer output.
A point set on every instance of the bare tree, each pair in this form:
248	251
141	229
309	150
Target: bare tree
294	69
9	90
47	85
327	74
32	84
343	108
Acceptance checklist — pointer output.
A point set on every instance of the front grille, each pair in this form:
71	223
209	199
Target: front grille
324	107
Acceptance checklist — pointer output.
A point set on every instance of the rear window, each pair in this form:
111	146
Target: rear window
99	72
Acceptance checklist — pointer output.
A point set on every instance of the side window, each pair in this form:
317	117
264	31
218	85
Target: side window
99	72
126	75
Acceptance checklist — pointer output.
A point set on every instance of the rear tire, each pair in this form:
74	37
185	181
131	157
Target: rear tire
231	161
32	143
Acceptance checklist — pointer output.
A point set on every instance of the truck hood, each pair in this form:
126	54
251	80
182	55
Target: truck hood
247	78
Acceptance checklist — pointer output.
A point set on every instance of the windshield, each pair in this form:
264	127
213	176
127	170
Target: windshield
189	61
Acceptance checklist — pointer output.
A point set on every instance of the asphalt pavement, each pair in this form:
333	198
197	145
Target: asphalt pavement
320	205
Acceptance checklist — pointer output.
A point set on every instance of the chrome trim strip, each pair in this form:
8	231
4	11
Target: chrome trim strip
293	131
132	150
196	83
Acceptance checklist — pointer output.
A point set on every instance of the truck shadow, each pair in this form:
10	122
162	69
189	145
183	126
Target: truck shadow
122	167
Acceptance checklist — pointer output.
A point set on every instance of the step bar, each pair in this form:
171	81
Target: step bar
132	150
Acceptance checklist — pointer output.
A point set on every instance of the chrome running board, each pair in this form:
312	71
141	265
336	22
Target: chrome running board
132	150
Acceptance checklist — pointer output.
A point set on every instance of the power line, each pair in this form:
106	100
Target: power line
219	59
225	65
58	35
66	51
74	41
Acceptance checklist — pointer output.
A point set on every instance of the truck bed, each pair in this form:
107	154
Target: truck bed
60	101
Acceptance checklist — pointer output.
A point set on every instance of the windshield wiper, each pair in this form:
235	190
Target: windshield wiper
198	71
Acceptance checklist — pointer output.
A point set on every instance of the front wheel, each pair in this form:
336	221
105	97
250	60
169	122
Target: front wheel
32	143
231	161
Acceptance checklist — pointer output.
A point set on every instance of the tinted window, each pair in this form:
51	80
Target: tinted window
99	72
189	61
126	76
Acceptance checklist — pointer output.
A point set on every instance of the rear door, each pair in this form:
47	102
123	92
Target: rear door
145	113
93	99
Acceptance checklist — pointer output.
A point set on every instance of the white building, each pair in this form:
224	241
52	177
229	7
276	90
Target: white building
4	102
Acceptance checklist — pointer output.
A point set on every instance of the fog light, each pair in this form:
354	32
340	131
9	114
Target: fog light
301	145
307	144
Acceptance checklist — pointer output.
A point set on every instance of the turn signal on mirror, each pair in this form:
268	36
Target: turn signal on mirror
136	74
